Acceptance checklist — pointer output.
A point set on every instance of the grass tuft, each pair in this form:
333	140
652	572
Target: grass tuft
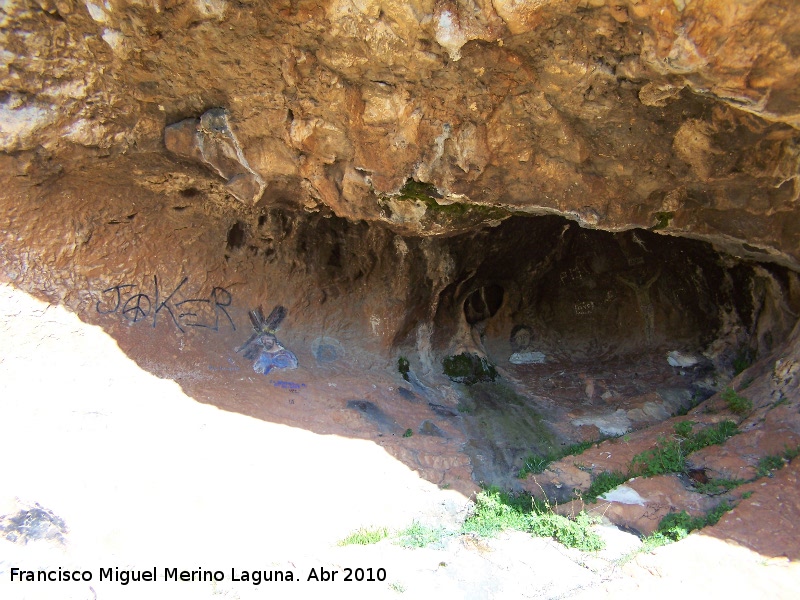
365	537
536	463
496	511
775	462
675	527
684	429
669	455
718	486
737	404
604	482
418	535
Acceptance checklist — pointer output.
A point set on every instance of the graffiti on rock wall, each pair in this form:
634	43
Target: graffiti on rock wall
520	338
135	306
263	347
289	385
573	275
522	353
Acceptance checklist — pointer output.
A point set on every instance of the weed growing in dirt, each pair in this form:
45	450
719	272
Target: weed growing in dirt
770	463
775	462
684	428
675	527
737	404
573	533
604	482
496	511
718	486
669	456
535	463
418	535
365	537
715	514
711	436
408	433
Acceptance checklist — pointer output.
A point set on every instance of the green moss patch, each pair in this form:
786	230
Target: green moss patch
468	369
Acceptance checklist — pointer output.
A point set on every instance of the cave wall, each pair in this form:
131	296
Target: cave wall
154	244
376	167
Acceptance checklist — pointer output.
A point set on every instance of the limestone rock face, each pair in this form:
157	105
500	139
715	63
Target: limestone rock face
669	114
210	141
593	200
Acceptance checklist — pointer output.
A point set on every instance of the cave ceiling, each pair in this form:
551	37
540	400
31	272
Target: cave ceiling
433	118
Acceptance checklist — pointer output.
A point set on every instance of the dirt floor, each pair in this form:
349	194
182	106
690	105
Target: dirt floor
150	451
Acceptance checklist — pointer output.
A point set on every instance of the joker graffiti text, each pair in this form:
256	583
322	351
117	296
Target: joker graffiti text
134	306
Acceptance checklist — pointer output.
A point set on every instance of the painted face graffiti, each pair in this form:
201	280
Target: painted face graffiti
263	347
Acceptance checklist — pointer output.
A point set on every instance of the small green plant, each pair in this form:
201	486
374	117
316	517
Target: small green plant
712	435
418	535
662	220
398	587
737	404
715	514
496	511
573	533
770	463
408	433
667	457
780	401
535	463
604	482
676	526
468	369
718	486
746	495
684	428
403	367
365	537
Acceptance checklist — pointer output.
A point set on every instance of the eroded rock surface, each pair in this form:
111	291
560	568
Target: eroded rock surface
593	201
677	115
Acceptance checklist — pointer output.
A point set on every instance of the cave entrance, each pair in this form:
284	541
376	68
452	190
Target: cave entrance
597	332
538	286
